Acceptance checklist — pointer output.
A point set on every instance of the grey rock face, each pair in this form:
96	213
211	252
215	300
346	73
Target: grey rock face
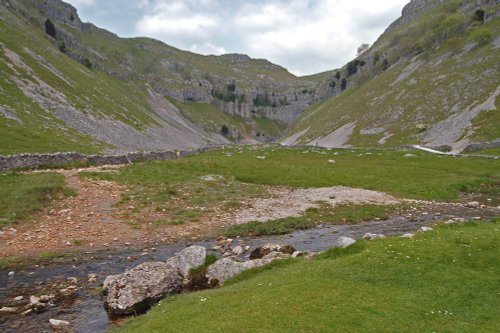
137	289
188	258
226	268
266	249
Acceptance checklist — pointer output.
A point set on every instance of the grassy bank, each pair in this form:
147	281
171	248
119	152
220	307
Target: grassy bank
22	195
446	280
345	214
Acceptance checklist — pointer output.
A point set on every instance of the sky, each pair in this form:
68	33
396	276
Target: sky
304	36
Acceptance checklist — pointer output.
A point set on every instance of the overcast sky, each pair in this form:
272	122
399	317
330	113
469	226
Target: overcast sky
305	36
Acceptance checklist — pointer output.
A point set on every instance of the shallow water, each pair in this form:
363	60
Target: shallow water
86	312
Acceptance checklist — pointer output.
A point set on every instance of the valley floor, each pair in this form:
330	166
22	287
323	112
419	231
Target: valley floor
123	215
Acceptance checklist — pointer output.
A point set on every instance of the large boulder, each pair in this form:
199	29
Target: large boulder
266	249
188	258
226	268
137	289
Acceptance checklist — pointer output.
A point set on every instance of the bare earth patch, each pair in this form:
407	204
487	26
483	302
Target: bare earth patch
85	220
94	219
286	202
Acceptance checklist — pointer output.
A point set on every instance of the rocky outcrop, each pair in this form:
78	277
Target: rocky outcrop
226	268
137	289
191	257
413	10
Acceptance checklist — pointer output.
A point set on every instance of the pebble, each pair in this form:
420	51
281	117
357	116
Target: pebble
58	323
408	235
8	310
426	229
238	250
12	274
473	204
18	298
27	312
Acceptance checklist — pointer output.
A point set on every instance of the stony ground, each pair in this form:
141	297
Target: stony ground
94	219
286	202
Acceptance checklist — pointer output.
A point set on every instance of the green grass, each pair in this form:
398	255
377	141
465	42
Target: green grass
9	262
446	280
180	198
426	176
22	195
489	151
268	126
49	255
344	214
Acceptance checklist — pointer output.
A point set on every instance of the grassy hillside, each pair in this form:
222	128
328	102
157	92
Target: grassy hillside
82	88
38	81
442	65
441	281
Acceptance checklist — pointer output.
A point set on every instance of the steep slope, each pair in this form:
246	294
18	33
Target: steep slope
68	85
432	78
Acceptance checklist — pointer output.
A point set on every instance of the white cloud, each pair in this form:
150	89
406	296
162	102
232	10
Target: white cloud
207	48
81	3
182	23
306	36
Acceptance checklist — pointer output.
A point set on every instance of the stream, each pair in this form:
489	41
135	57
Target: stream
83	306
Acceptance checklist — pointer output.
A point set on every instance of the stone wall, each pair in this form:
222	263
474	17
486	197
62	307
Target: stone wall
33	161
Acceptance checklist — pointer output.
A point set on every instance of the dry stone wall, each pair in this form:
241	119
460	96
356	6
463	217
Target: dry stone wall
33	161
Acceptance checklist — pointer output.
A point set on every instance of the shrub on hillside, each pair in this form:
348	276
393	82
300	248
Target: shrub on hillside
50	28
224	130
343	84
482	36
87	63
479	15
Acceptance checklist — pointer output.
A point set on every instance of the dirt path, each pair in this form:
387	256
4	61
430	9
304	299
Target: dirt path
86	220
92	220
